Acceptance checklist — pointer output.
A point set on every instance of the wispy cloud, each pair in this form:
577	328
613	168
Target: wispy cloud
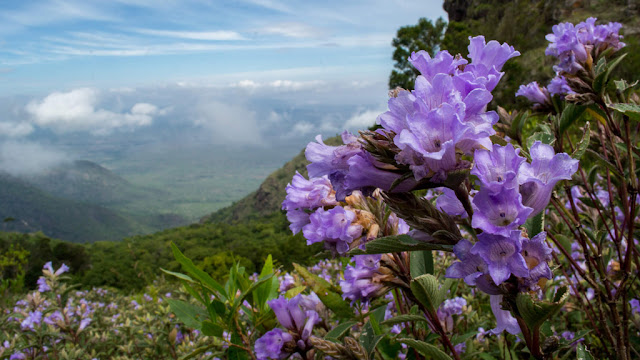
293	30
222	35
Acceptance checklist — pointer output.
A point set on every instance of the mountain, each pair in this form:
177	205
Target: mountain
87	182
26	208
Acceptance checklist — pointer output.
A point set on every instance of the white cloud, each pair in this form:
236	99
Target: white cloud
279	85
221	35
76	111
293	30
363	120
27	158
229	123
302	128
11	129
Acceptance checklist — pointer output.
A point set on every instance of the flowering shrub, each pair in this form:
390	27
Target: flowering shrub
58	322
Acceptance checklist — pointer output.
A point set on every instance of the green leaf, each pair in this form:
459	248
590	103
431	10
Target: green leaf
398	243
369	339
600	82
543	137
600	159
337	332
238	301
191	315
582	353
198	351
211	329
425	289
631	110
535	225
198	274
428	350
421	263
178	275
583	144
235	353
268	290
404	319
328	293
535	312
291	293
570	115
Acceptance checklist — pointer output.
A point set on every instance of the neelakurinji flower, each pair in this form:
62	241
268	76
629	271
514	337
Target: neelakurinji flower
534	93
538	178
469	267
271	344
449	203
335	227
504	319
497	169
502	255
359	282
499	213
302	195
537	254
559	86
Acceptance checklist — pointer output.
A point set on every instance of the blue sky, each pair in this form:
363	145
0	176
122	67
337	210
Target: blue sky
87	79
54	45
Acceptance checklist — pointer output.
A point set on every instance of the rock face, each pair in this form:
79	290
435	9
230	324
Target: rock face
456	9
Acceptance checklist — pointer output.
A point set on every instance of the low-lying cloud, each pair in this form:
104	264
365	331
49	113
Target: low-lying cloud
77	110
28	158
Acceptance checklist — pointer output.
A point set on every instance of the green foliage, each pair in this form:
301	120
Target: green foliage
13	263
425	35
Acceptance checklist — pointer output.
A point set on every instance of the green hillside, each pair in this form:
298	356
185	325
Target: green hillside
29	209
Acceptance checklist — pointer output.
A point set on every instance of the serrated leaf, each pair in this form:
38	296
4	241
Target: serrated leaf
631	110
428	350
582	353
535	312
425	288
421	263
405	318
328	293
211	329
191	315
398	243
583	144
570	115
543	137
291	293
337	332
369	339
535	225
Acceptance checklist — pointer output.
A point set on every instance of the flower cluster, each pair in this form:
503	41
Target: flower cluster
576	45
298	316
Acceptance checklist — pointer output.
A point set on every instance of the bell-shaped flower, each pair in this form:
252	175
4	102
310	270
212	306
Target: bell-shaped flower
538	179
499	213
308	194
534	93
359	282
537	254
504	319
335	227
470	267
502	255
497	169
441	63
272	345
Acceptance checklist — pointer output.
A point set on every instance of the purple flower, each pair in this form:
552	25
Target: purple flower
54	318
536	253
441	63
502	255
42	284
559	86
18	356
34	318
270	345
497	169
504	319
308	194
359	281
286	283
332	161
635	306
460	348
297	220
487	60
534	93
538	178
500	213
448	202
470	267
335	227
292	316
367	174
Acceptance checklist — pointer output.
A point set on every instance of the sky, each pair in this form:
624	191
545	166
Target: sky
88	78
